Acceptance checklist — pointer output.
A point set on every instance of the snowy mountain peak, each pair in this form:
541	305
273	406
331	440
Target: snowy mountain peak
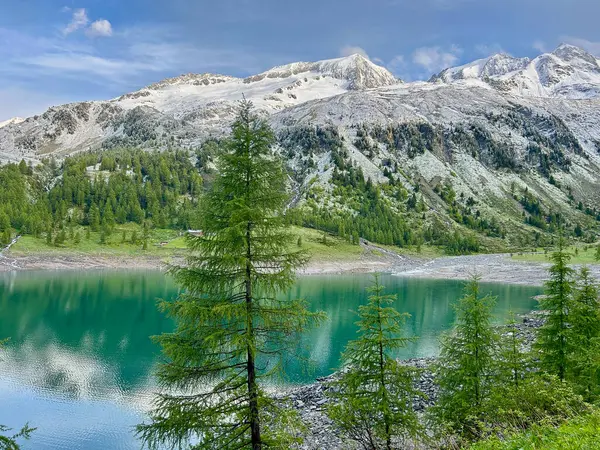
357	70
496	65
567	72
576	55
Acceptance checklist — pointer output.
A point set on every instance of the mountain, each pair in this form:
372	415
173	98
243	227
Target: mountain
14	120
508	144
188	107
567	72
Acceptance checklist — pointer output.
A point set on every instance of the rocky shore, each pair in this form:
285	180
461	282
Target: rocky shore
311	400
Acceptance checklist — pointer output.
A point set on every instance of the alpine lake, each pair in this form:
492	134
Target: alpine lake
79	363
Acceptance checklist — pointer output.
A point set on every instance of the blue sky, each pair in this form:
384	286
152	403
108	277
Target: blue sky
53	52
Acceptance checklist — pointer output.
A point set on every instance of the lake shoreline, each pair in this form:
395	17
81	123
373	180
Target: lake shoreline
310	400
493	268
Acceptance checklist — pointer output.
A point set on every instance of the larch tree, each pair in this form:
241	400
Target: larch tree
583	335
551	341
467	363
372	400
233	332
512	362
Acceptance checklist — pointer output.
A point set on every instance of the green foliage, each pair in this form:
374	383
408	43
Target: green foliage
583	336
597	255
371	402
551	340
580	433
10	442
22	205
232	332
466	365
132	185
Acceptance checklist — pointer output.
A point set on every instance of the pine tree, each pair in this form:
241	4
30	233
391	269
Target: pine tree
232	331
372	400
582	334
551	339
466	364
513	363
145	235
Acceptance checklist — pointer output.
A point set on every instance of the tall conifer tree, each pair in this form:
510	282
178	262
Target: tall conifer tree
232	330
467	364
552	336
583	335
372	400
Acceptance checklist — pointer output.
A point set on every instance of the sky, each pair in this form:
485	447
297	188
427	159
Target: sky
60	51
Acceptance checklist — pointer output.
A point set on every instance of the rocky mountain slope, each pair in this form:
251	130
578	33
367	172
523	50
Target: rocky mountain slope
503	138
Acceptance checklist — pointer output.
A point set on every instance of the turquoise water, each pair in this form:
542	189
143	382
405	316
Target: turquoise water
79	363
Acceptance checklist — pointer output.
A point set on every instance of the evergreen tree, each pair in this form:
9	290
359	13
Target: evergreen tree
145	235
551	339
513	363
94	217
232	331
10	442
582	334
467	364
60	238
372	400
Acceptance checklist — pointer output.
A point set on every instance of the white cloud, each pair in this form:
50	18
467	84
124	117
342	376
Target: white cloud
589	46
351	50
434	59
540	46
397	63
78	20
100	28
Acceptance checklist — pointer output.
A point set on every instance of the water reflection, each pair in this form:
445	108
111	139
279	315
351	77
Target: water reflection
79	364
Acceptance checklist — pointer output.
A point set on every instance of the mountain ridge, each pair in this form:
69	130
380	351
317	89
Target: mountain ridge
477	137
567	72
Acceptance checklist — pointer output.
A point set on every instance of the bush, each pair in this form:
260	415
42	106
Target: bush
581	433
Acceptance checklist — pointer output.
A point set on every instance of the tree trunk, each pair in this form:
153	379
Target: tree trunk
251	367
386	419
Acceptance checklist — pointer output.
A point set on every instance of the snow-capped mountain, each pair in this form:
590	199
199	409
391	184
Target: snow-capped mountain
11	121
567	72
487	128
195	105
